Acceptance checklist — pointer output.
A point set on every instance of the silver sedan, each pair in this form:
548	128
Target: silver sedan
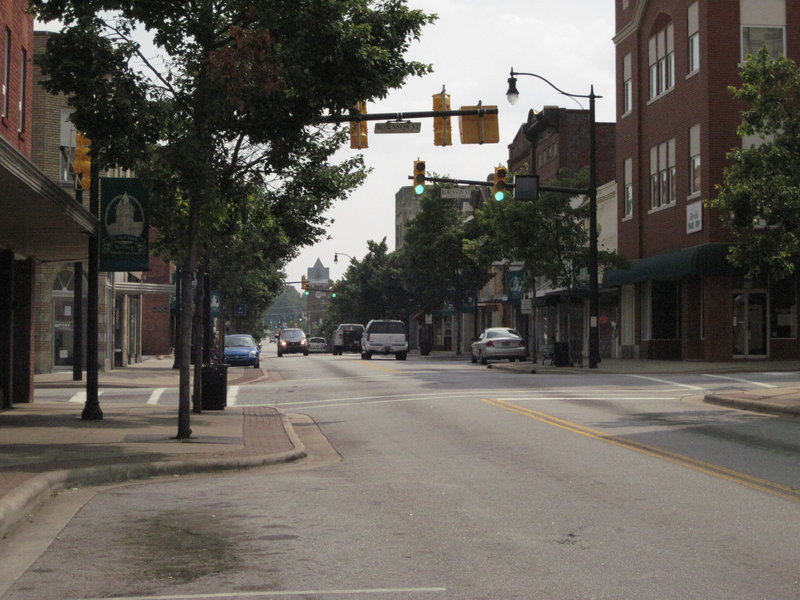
497	343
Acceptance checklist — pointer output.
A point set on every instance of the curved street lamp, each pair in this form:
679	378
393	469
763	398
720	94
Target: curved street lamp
513	96
336	257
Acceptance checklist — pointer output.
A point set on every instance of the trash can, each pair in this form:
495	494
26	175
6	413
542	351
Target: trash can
215	387
561	354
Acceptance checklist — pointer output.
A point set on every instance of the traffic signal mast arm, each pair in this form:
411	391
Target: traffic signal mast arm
542	188
355	116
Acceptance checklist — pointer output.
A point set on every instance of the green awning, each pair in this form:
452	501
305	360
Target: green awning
705	258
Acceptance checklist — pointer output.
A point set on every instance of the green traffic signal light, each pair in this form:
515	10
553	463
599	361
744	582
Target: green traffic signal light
419	177
499	187
333	294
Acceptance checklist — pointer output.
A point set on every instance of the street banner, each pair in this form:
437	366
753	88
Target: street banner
516	285
124	242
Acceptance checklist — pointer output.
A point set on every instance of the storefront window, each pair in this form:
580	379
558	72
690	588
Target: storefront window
783	313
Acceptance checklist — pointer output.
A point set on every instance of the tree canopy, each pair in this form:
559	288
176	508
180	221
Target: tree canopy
759	198
228	109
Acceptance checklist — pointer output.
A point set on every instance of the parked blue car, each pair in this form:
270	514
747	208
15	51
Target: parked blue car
241	350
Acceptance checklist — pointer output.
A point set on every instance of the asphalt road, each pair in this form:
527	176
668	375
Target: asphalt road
446	480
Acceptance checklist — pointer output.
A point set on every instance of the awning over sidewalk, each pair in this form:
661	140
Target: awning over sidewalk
38	218
705	258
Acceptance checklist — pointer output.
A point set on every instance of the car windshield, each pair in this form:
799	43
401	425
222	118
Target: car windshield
292	334
387	327
352	328
239	340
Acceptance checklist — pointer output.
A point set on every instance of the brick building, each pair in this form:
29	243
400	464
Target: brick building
676	121
41	223
554	143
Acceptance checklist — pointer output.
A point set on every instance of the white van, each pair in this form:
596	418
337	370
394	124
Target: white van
384	337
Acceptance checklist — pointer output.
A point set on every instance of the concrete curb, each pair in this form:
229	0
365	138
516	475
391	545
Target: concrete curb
790	409
25	497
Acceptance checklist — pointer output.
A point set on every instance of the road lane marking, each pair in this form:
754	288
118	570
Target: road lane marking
233	392
381	367
667	381
766	385
155	395
80	397
281	593
756	483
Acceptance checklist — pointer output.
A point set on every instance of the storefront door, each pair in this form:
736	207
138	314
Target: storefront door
750	324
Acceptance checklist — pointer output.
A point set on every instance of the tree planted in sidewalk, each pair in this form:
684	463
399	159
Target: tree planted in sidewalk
759	197
226	103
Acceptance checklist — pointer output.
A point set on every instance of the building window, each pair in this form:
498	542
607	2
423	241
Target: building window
662	174
755	38
23	89
783	313
628	207
694	38
694	160
6	73
627	85
661	51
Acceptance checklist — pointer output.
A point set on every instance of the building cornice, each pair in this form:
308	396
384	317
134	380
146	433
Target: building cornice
634	24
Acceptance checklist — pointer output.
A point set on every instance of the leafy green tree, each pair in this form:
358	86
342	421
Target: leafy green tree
371	288
230	107
436	268
759	198
549	235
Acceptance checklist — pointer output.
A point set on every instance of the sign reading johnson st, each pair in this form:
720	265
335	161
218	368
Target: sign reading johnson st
123	225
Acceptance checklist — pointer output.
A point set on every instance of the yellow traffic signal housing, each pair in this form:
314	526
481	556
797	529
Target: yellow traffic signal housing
419	177
500	188
476	129
359	129
442	129
304	283
82	162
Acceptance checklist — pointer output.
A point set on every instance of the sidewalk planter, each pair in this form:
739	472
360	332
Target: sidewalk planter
215	387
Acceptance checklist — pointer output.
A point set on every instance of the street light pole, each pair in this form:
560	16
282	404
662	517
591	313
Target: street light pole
591	192
336	257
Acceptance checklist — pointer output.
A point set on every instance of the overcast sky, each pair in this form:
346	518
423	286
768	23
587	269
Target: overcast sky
472	47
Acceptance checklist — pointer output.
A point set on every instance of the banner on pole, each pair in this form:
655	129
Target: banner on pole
124	244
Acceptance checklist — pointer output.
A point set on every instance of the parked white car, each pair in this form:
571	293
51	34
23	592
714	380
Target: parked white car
384	337
497	343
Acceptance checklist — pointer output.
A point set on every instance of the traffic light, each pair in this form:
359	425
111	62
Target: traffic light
82	162
305	284
358	129
419	177
442	130
333	294
499	189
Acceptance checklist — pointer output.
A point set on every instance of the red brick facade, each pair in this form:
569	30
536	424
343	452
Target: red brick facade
668	117
16	32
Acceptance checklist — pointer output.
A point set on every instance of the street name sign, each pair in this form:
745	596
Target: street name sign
398	127
457	193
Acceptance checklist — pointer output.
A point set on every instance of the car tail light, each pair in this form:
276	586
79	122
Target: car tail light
522	342
490	343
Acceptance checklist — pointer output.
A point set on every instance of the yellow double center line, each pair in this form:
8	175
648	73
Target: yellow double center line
762	485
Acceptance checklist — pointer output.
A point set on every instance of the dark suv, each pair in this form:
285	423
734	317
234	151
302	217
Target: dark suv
292	340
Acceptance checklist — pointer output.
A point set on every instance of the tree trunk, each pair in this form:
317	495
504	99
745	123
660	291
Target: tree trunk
187	320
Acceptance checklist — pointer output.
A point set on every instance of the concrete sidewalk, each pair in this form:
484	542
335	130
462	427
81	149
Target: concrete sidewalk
45	446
